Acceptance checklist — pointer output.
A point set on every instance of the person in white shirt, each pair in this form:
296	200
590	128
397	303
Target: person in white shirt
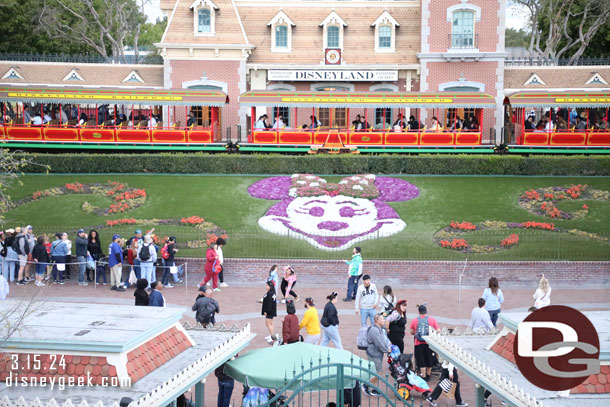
479	319
152	122
47	117
542	296
261	124
37	120
221	242
279	123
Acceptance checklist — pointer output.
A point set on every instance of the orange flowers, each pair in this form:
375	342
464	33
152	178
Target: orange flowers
192	220
511	240
532	194
120	207
125	221
463	225
75	187
455	244
538	225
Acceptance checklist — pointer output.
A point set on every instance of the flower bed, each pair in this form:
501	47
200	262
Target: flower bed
543	201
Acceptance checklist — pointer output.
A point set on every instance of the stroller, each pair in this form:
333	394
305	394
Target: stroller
401	369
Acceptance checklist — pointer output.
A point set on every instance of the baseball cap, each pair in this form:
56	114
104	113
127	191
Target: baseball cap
138	231
81	231
11	230
115	237
203	288
28	227
422	309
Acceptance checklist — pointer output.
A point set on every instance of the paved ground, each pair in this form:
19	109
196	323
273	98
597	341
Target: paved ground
238	304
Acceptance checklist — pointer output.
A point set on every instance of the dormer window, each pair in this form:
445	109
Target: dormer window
204	21
281	32
204	12
462	18
333	31
385	32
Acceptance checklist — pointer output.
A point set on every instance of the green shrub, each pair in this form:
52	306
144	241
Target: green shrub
200	163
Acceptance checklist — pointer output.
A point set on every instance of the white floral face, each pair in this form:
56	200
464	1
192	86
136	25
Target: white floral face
332	222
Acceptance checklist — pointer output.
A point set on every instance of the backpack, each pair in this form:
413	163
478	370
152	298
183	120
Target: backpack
164	252
423	328
144	252
363	337
16	247
205	316
255	397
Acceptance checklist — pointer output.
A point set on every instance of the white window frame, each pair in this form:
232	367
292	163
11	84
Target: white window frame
332	20
204	5
464	6
281	19
385	20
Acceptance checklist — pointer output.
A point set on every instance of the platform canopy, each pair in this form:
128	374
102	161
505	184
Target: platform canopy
367	99
41	94
560	99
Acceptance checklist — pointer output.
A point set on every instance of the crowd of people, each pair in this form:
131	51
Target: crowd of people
383	316
564	120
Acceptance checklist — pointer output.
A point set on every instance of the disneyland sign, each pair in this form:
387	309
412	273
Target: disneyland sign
317	75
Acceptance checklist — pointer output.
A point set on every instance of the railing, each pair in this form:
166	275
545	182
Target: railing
153	59
463	41
533	245
538	61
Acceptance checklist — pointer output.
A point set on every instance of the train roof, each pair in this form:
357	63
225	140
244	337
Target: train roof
560	99
367	99
42	94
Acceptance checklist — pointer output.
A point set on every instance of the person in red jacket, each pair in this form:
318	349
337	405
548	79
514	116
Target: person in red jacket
290	325
211	264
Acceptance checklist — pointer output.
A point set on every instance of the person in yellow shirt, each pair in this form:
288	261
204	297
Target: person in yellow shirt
311	323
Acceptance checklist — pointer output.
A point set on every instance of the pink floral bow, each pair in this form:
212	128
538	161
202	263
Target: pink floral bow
357	186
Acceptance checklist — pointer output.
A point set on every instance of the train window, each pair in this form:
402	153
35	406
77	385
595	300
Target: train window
379	116
332	117
283	111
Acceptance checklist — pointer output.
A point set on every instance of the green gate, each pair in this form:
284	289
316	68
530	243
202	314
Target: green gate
318	383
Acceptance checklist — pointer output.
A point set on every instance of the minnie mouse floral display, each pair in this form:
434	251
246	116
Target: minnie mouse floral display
333	216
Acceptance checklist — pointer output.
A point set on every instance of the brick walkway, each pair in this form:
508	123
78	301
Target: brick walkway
239	305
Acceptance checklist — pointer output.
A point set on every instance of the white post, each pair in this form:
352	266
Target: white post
460	282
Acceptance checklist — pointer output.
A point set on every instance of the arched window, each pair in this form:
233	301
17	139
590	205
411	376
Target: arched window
462	31
281	36
204	22
332	37
385	37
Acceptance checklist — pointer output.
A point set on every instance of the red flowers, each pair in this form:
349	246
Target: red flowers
192	220
463	225
511	240
585	207
75	187
125	221
120	207
538	225
576	190
127	195
550	209
532	194
456	244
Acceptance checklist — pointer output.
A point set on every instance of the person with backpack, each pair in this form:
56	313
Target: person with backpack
81	256
355	272
269	310
366	300
137	235
41	259
378	344
22	248
205	307
168	252
387	301
330	322
59	252
148	256
212	267
397	322
493	299
420	327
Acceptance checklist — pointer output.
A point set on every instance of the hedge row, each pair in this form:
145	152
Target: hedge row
199	163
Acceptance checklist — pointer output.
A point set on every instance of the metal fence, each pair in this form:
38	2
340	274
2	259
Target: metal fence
538	61
82	58
409	245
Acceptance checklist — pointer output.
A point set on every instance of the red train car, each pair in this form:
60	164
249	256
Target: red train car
109	117
328	116
558	119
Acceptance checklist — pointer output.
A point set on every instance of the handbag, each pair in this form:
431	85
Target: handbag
448	388
132	277
90	262
216	267
173	270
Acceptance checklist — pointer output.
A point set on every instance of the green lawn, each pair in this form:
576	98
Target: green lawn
224	201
